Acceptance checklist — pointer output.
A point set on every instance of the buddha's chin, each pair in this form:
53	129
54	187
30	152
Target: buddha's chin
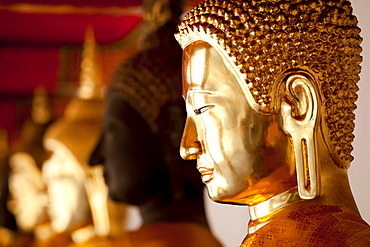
219	198
216	192
221	192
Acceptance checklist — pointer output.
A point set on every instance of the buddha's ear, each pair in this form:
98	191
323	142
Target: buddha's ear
298	111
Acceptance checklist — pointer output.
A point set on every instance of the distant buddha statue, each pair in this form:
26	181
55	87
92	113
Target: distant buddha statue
142	125
270	88
78	195
27	190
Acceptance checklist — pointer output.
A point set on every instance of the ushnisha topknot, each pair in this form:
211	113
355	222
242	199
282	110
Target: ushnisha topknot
267	38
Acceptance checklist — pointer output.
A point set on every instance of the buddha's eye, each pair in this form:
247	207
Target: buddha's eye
203	109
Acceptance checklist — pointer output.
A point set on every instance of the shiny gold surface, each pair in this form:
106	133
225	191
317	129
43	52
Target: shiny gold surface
246	157
262	213
300	126
229	138
270	117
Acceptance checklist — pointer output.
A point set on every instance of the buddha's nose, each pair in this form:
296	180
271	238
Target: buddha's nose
190	146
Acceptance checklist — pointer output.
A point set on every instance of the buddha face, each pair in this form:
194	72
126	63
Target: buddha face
129	152
28	191
241	154
65	179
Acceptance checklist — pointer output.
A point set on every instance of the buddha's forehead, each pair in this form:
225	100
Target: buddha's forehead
209	69
196	66
204	69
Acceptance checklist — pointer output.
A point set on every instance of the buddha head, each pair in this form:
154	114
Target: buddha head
70	140
270	90
142	126
27	190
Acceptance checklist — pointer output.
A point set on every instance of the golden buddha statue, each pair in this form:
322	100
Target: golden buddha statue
78	194
142	127
270	88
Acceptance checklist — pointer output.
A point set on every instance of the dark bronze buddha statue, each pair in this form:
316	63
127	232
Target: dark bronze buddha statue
142	126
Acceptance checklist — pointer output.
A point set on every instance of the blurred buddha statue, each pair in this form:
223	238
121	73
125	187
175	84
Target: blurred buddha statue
270	88
28	191
78	195
142	126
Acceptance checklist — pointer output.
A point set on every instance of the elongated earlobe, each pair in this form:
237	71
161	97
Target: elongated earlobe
299	113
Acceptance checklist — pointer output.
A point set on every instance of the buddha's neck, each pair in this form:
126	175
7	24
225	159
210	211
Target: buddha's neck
264	212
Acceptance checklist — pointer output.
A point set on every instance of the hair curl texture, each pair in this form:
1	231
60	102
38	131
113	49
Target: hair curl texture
266	38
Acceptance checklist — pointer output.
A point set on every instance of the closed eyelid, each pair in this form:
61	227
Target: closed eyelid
202	109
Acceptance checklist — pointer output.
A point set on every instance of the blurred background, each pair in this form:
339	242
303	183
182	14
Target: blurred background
41	44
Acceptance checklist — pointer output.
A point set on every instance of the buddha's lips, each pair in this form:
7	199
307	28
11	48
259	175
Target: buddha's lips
207	173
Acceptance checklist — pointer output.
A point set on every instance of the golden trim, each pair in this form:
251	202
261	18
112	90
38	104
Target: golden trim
262	213
274	203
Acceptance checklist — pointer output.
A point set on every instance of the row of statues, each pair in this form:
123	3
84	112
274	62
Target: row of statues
269	88
56	198
61	198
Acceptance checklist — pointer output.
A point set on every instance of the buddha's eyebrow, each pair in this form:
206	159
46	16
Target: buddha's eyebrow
202	92
197	92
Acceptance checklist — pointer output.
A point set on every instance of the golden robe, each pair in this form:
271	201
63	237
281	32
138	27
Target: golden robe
318	226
